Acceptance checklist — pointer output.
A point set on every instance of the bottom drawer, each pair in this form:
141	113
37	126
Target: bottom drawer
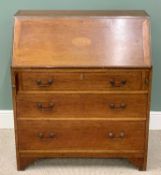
81	135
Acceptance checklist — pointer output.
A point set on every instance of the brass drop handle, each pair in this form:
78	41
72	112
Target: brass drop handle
115	83
122	134
40	135
40	83
41	107
117	106
111	135
52	135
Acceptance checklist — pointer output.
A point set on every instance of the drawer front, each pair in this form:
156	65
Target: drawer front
80	135
82	105
64	81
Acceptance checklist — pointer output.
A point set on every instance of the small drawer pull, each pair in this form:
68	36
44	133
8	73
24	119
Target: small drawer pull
41	107
40	83
117	106
52	135
115	83
122	134
111	135
40	135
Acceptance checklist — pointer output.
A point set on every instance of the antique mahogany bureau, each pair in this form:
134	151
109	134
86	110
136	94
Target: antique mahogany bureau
81	85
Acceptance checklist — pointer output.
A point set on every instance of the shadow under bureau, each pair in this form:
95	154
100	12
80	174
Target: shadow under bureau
81	85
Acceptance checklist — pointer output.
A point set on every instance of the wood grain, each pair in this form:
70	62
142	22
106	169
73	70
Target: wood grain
89	135
49	42
79	105
77	81
95	13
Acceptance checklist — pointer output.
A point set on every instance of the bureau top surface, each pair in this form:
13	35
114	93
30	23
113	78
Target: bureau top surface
75	39
96	13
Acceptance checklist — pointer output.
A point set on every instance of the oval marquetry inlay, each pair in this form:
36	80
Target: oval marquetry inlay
81	41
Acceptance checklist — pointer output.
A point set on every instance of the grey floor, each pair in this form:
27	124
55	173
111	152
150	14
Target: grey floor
78	166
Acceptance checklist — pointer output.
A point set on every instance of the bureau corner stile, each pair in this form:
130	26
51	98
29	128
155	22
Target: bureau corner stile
81	84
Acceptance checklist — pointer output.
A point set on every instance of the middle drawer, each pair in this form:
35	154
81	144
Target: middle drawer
81	105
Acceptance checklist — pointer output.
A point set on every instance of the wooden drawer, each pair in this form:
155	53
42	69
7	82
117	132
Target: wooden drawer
64	81
81	105
80	135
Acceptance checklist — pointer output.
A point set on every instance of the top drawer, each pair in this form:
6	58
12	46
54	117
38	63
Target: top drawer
66	81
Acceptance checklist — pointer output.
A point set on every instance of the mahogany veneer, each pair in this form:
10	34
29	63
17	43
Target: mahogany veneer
81	85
